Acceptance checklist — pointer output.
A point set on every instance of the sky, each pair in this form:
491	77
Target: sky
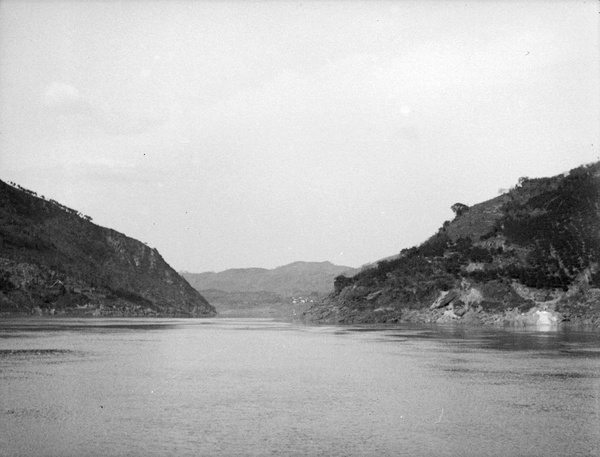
234	134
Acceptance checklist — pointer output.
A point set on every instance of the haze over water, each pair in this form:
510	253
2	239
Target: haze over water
259	387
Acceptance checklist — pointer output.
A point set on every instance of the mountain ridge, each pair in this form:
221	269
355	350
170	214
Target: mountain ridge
282	292
293	278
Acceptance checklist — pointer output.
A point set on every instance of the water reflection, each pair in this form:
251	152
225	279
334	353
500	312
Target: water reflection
11	328
576	343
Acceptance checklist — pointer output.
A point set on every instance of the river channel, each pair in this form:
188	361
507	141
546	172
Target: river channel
254	387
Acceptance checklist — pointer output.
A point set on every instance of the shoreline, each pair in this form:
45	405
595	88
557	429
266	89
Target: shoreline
475	317
511	318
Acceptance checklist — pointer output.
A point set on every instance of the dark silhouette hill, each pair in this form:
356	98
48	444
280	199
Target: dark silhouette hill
534	248
55	260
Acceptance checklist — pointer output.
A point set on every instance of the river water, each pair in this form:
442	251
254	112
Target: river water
162	387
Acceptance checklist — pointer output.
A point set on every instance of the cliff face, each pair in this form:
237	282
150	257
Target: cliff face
534	249
54	260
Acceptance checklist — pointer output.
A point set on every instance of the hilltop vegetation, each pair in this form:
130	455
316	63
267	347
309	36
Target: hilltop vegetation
536	246
54	260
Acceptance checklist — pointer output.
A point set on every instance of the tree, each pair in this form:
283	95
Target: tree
340	282
459	209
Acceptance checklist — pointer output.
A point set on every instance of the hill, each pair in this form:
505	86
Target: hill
279	292
54	260
534	248
294	278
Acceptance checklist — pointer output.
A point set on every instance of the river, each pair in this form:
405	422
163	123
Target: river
254	387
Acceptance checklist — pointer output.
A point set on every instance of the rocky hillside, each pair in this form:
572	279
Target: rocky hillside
54	260
532	250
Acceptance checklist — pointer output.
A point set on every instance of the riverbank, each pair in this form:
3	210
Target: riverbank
95	311
549	314
497	303
474	317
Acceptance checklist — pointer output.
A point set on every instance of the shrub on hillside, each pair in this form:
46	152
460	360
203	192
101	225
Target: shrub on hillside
435	246
340	282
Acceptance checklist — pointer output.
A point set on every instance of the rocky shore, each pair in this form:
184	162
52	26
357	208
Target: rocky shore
495	304
115	309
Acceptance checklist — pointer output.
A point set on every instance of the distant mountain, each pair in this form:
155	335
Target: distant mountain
54	260
288	280
282	292
534	248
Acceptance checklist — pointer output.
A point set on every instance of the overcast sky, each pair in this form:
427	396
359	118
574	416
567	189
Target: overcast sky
239	134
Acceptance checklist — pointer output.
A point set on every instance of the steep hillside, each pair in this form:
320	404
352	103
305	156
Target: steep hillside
55	260
535	248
